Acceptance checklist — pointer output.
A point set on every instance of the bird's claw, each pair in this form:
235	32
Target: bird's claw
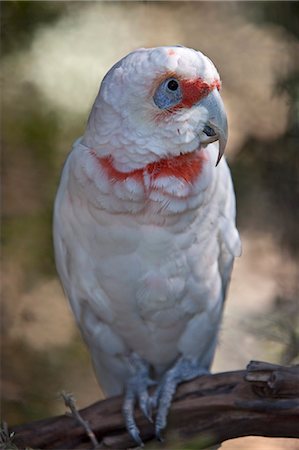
146	407
162	399
137	390
128	413
185	369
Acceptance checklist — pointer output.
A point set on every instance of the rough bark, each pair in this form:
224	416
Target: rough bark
261	401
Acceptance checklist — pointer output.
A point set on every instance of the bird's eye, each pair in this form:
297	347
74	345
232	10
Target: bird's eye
168	94
172	85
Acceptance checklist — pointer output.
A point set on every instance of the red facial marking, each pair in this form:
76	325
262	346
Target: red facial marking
186	167
194	90
171	52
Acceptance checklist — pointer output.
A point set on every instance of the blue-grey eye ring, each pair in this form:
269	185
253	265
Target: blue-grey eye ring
168	93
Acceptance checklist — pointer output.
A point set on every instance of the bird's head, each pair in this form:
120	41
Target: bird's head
154	104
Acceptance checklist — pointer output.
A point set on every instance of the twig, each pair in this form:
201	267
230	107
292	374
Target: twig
70	402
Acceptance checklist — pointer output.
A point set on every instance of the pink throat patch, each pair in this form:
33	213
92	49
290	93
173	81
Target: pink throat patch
185	167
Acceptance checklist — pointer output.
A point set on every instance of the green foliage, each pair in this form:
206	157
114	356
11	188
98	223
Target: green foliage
39	383
6	438
34	145
20	19
30	153
266	173
282	13
267	186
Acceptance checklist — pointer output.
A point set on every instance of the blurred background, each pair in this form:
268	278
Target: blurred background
54	55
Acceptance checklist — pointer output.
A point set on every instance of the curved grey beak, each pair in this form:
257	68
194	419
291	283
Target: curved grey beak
216	126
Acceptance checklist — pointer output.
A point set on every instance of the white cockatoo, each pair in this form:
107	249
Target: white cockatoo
144	226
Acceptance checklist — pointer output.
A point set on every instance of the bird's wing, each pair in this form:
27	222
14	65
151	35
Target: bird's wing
90	304
229	239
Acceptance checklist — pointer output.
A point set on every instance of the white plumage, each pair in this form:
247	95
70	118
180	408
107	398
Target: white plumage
144	247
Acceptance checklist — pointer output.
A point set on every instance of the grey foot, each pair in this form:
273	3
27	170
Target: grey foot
185	369
136	390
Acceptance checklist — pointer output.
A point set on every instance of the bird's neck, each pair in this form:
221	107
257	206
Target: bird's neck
166	187
186	167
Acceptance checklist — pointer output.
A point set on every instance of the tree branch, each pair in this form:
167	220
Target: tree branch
261	401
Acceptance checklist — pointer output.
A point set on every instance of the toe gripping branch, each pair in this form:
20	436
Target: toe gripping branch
137	390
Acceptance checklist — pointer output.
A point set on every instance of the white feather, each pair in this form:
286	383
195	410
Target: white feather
144	264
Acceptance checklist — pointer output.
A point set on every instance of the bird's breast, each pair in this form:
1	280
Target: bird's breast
147	257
